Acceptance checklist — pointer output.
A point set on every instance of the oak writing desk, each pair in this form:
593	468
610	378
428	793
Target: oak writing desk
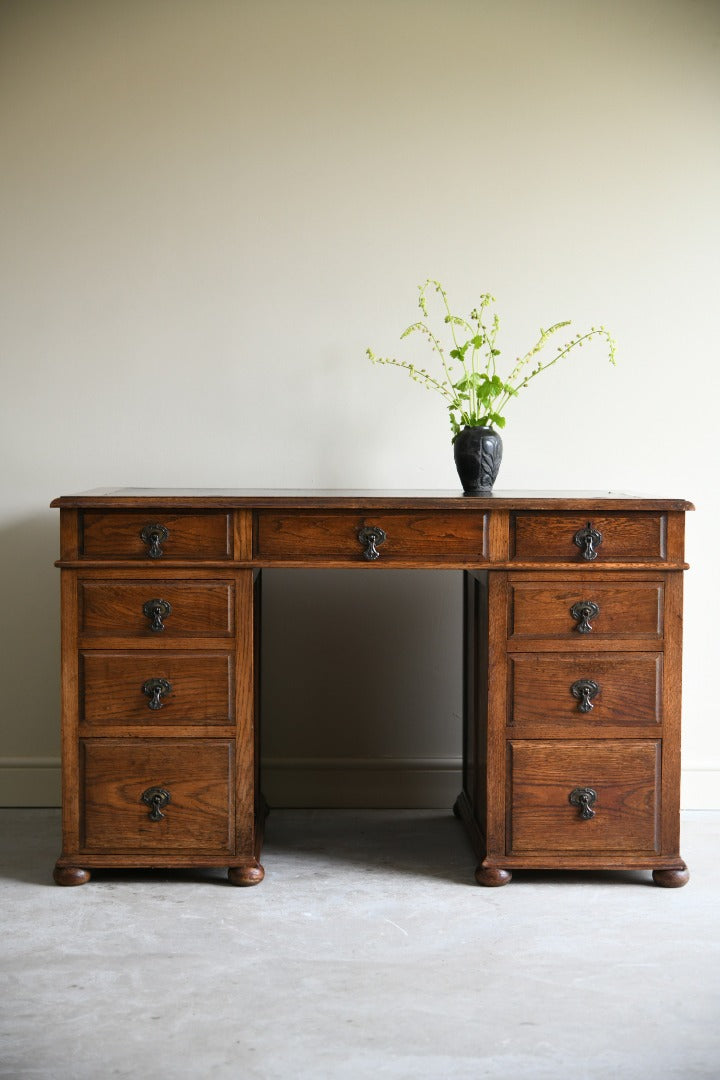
572	661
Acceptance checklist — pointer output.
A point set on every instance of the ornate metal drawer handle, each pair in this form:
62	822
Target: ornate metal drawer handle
156	798
584	797
588	540
154	535
156	611
584	690
156	689
583	612
371	536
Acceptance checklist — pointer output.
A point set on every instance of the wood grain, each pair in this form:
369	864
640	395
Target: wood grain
116	534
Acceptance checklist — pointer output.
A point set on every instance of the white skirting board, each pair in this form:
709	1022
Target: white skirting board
336	782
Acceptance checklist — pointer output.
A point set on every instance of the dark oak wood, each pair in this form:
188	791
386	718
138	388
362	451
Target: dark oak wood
342	499
433	534
117	533
624	774
671	879
201	688
198	609
540	691
70	875
197	774
492	876
527	744
626	609
633	536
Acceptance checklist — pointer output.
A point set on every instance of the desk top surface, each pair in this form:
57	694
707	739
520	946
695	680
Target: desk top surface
318	498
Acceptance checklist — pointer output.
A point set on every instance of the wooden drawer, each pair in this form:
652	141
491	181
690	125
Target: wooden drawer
196	774
600	690
623	773
438	536
156	688
155	535
566	609
175	608
537	536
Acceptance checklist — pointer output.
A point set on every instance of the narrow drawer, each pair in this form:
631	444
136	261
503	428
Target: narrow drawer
156	688
156	608
585	609
120	776
438	536
622	774
537	536
155	535
600	690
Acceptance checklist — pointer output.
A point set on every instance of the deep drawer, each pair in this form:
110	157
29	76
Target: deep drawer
155	535
537	536
156	688
600	690
436	535
163	608
624	775
585	609
196	775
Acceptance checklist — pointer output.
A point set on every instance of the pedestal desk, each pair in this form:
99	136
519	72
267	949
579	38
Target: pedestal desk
572	661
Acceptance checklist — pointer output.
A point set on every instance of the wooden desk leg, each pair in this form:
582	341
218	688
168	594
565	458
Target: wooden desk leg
250	873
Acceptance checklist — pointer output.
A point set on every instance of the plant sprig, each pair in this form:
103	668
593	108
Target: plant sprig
475	394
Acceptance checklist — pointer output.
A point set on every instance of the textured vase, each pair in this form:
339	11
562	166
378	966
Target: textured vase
478	453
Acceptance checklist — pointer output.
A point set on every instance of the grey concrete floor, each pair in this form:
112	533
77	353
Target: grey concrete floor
367	951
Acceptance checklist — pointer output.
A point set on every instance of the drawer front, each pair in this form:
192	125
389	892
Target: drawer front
585	610
155	535
156	608
623	774
156	688
600	690
612	537
436	535
119	777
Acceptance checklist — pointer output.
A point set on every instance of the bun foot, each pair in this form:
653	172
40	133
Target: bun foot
70	875
492	876
671	879
249	874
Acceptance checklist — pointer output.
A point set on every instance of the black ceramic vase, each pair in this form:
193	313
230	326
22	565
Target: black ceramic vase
478	453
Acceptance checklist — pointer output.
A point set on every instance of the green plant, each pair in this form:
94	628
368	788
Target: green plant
475	393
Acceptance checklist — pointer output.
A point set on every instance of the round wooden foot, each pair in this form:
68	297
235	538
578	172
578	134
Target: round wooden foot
249	874
671	879
70	875
492	876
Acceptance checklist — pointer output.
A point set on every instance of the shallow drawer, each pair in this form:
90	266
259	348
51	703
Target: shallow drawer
156	688
121	776
157	608
600	690
155	534
573	537
546	782
585	609
436	535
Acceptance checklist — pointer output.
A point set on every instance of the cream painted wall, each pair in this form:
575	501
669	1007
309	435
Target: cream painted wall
209	210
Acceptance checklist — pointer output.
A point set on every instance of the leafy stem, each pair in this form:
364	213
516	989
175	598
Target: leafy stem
480	395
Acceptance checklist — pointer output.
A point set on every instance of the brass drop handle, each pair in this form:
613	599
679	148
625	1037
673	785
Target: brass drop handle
154	535
583	611
155	689
156	798
584	797
584	690
588	540
156	611
371	537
